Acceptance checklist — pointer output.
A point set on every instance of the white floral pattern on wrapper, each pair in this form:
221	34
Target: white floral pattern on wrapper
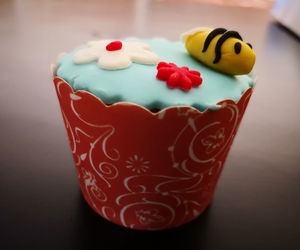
130	52
131	190
137	164
172	194
213	141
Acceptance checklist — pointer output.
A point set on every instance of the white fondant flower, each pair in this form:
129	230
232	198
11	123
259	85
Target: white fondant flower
118	58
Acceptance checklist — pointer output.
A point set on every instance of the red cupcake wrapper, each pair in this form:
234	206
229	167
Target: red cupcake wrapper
147	170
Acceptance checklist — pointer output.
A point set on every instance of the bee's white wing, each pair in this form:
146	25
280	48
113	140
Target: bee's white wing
191	32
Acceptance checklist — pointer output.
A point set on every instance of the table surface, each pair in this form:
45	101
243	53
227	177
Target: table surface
257	202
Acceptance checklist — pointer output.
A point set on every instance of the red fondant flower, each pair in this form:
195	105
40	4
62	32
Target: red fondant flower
176	77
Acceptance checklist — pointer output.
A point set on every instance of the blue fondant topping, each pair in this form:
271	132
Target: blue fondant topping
138	83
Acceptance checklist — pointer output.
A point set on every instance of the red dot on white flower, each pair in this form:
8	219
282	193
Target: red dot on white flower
115	45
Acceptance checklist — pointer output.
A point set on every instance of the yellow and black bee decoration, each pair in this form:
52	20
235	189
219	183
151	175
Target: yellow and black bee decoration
220	49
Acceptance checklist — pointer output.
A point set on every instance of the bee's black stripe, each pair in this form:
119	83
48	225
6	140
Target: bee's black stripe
222	39
211	36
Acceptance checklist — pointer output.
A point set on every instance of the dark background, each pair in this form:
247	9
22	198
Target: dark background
257	202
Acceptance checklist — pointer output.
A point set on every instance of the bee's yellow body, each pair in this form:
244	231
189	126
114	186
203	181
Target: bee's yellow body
221	50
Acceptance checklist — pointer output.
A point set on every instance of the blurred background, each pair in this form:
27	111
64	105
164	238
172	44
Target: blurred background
257	202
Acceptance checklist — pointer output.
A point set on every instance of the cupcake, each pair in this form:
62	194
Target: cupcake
150	122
